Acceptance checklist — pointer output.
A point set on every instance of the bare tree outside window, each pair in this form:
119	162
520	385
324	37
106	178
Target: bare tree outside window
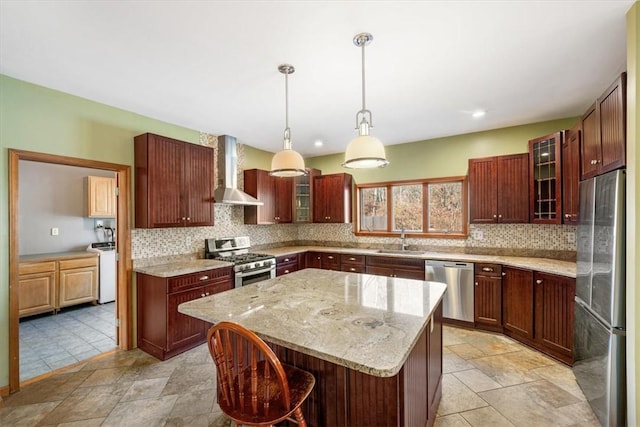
445	208
373	208
407	207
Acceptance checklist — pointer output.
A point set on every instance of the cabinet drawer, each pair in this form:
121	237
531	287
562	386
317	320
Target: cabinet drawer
411	263
353	268
287	259
201	278
36	267
286	269
491	270
330	260
352	259
78	263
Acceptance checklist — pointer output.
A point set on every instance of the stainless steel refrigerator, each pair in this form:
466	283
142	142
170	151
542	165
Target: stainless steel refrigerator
600	318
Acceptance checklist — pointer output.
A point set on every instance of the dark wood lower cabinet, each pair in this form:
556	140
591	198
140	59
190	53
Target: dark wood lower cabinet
287	264
344	397
554	311
406	268
517	302
163	332
487	302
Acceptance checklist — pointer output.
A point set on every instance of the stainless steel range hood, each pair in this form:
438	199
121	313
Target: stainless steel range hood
227	192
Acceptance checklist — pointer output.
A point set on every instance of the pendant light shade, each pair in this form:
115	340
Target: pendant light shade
287	163
364	151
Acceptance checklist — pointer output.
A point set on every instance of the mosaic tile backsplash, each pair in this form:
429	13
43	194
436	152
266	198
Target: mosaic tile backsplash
514	239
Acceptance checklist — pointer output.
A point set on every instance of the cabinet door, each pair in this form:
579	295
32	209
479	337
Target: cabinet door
37	293
159	180
517	301
513	188
332	198
554	305
101	197
259	184
483	195
570	175
379	271
182	330
313	260
407	273
198	189
612	112
488	300
77	286
590	153
546	184
330	262
303	195
283	188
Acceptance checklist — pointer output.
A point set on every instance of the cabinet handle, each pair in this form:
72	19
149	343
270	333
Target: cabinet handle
476	283
352	259
183	218
286	259
330	257
207	293
567	216
495	216
188	219
487	269
204	278
504	274
202	295
352	269
286	271
539	282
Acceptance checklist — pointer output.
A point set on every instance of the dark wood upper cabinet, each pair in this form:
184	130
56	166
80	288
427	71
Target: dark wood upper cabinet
517	302
274	192
303	196
332	198
604	124
570	174
173	183
545	168
499	189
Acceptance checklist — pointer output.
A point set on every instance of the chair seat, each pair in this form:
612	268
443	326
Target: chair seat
300	385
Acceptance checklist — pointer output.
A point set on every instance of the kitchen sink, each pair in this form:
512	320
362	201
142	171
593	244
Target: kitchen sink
399	252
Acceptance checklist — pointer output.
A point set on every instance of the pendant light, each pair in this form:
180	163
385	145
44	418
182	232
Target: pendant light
364	151
287	163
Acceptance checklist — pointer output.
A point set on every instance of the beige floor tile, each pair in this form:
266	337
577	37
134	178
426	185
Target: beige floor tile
581	414
451	362
145	389
195	403
143	413
78	408
562	376
450	338
466	351
476	380
104	376
532	404
487	416
453	420
203	420
457	397
26	415
506	369
94	422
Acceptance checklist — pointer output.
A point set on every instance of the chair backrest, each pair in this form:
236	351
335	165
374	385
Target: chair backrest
251	379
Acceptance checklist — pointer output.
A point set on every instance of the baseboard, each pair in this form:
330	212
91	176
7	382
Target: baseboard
4	391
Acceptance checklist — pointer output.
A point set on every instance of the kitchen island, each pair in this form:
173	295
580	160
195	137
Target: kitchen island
374	343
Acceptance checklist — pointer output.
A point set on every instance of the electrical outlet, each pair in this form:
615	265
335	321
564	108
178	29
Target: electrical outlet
478	235
55	231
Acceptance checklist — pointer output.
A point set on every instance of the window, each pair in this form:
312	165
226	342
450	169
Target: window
422	208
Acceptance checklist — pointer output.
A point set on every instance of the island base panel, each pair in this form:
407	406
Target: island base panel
344	397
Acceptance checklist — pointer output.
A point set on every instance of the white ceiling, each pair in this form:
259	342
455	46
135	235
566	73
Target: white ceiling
212	65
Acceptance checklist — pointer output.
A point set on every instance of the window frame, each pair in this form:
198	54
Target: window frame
425	212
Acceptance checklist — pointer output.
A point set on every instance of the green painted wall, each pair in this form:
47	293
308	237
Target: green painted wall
255	158
443	157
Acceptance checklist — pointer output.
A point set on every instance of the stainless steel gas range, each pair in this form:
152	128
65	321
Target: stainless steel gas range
248	267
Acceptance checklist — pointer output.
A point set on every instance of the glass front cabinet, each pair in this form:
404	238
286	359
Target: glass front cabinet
545	191
303	196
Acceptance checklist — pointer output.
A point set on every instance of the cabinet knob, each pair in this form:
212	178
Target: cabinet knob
286	271
204	278
352	259
286	259
499	216
188	219
476	283
539	282
202	295
183	218
567	216
487	269
207	293
330	257
352	269
495	216
504	274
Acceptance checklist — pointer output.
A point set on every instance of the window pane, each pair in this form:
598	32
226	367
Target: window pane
373	205
407	207
445	208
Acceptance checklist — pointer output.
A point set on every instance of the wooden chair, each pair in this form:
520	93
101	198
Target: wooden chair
254	388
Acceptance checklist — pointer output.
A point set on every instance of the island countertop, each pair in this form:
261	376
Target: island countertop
366	323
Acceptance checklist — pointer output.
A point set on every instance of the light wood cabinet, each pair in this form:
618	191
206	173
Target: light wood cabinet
37	288
50	283
332	198
174	183
101	197
499	189
78	281
604	140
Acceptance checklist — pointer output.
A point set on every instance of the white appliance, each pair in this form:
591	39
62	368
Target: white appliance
107	270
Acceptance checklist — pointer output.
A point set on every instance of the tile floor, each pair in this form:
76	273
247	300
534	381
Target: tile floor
488	380
49	342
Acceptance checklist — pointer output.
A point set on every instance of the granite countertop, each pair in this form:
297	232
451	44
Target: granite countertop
545	265
363	322
54	256
179	268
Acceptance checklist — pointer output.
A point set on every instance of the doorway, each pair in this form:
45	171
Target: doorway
123	311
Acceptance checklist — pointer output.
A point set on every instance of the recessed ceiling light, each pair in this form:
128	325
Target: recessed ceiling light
478	114
318	143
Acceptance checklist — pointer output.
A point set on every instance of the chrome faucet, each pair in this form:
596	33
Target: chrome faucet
403	238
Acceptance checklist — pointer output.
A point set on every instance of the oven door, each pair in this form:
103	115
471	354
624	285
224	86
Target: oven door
248	277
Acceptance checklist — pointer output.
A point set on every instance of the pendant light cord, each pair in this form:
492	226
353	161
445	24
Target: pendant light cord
363	91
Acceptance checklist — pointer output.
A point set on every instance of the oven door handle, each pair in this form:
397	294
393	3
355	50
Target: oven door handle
254	272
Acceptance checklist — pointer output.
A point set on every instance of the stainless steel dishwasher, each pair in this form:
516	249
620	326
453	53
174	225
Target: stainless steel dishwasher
457	302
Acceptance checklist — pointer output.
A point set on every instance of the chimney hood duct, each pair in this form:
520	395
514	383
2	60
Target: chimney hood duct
227	192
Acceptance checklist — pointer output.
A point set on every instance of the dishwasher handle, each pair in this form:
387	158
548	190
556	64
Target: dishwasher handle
449	264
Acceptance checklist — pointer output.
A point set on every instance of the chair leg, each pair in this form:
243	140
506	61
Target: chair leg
300	417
